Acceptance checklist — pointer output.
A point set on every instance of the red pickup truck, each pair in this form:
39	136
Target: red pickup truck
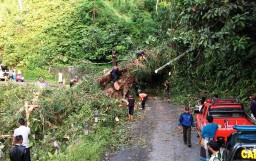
226	113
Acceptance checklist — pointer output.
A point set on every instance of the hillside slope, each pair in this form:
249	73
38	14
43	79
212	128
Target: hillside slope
61	32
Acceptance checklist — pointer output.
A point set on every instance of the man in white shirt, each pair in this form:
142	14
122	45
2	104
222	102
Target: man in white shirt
24	131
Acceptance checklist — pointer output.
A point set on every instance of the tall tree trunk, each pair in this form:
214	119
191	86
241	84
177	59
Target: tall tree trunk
156	6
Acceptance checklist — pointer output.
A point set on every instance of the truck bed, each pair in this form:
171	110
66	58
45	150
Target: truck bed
226	126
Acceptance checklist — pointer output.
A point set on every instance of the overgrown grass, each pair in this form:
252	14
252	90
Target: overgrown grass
61	117
32	75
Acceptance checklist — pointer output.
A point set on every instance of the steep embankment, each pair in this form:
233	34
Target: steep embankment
62	32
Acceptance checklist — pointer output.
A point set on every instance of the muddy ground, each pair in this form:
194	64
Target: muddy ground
154	136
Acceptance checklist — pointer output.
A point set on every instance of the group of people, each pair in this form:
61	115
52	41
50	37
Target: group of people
11	75
72	82
20	151
209	148
131	104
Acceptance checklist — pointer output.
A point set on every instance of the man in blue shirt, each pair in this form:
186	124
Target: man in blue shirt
207	134
186	121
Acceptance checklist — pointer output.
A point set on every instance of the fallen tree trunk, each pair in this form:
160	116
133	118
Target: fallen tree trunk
121	86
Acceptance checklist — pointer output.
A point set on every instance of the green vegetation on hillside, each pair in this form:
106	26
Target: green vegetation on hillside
59	32
220	37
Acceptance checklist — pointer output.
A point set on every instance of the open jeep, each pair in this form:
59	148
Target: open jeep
226	113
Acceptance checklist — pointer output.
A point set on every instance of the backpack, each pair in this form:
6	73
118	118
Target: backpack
186	120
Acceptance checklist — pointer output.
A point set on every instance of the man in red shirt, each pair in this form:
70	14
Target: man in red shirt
143	97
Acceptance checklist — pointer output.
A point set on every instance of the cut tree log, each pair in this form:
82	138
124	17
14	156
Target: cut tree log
124	82
117	85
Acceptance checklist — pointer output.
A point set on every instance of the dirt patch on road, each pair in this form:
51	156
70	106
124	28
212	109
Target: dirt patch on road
155	136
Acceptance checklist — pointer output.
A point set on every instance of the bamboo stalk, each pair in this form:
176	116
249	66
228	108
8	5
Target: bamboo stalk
177	58
5	136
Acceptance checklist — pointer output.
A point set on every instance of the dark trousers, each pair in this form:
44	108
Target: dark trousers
187	134
143	102
167	92
115	78
28	154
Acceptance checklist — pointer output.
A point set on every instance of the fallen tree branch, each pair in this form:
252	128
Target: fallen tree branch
177	58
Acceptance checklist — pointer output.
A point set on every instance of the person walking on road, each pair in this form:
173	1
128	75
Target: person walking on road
18	151
186	121
207	134
24	131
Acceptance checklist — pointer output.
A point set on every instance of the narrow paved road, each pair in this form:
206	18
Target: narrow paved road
155	136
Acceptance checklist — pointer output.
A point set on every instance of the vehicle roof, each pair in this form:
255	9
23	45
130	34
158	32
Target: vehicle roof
222	100
244	134
229	103
227	106
247	138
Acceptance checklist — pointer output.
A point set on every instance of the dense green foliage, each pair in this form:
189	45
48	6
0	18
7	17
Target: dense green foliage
59	32
222	38
219	35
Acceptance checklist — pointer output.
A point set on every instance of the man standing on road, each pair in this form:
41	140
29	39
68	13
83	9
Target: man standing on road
207	134
186	121
24	131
